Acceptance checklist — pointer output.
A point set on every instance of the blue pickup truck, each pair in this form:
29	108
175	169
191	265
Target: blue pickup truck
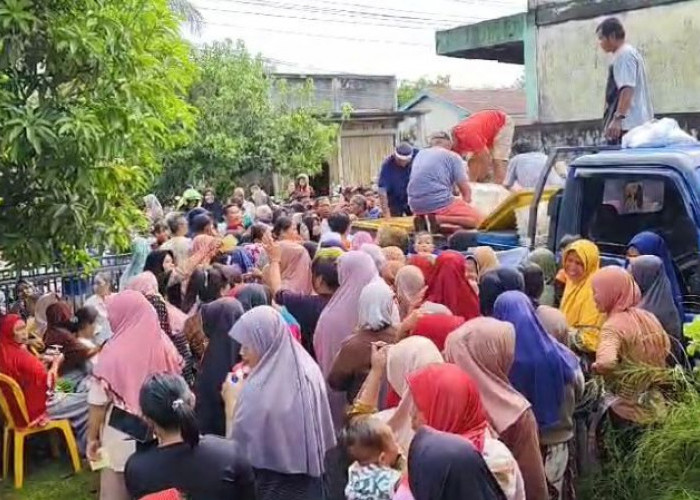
611	195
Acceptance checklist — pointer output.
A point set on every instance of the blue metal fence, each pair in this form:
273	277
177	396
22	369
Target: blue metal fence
74	285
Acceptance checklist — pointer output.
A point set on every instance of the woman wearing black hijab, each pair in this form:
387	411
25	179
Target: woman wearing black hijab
533	276
496	281
212	205
160	263
221	355
254	295
447	467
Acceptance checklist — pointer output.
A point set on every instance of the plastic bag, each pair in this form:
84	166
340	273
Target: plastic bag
657	134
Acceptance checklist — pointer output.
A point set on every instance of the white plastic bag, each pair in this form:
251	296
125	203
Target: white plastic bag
657	134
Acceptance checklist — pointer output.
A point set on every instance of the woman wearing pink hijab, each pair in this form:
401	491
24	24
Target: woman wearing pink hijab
295	268
147	284
339	318
172	320
138	348
632	335
360	238
485	349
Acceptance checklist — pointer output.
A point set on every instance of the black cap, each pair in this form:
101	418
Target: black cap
404	149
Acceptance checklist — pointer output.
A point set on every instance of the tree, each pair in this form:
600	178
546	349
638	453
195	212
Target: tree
90	94
247	122
409	89
187	11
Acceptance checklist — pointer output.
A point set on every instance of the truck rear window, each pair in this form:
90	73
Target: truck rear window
634	196
614	208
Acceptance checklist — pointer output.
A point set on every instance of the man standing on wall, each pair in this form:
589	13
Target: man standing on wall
627	100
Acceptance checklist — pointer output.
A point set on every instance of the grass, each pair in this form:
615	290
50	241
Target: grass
52	480
664	464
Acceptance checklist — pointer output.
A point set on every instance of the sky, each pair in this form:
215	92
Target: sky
381	37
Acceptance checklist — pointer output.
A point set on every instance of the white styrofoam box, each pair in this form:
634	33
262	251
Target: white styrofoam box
486	196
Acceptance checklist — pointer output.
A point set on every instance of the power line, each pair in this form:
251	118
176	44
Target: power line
505	3
318	35
394	24
392	9
375	10
372	14
317	19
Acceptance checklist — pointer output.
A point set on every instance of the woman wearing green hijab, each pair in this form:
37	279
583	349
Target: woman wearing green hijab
140	248
548	263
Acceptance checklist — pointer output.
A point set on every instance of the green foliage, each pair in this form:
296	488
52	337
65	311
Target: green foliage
659	461
692	333
408	90
664	464
248	122
187	11
90	93
654	386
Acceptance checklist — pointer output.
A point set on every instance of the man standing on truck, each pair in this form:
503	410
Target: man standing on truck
436	170
393	181
627	100
487	136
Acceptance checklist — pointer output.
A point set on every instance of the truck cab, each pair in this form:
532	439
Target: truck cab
611	196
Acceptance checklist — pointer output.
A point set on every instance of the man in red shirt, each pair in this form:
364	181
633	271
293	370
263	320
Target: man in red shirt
487	136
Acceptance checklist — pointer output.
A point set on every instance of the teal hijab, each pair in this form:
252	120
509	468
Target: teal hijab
139	252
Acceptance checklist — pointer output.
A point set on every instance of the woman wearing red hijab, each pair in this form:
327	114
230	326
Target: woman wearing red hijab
450	287
34	380
437	327
424	264
447	399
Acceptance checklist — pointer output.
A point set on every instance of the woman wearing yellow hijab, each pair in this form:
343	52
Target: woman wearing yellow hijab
581	261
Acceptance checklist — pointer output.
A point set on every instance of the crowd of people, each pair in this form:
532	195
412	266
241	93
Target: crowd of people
254	351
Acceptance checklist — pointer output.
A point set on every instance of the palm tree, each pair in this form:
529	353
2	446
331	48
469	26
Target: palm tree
187	11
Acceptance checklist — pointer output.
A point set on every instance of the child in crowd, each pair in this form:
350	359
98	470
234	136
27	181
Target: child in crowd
160	234
339	223
424	245
372	446
374	209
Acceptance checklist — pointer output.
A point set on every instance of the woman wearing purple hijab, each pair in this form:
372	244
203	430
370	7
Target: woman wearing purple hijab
339	318
548	375
280	414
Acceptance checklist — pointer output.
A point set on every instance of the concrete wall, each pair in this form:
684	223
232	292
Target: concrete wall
533	4
546	136
572	70
363	93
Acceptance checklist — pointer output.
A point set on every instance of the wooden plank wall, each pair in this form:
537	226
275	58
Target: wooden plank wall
362	148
